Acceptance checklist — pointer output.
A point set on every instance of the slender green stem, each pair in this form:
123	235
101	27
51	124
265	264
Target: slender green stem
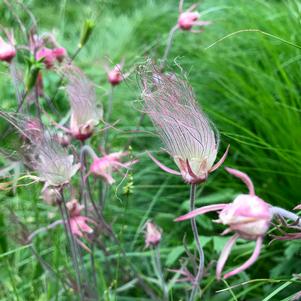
158	271
200	270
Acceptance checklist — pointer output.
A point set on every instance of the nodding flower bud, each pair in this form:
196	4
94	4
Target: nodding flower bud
188	135
153	235
115	76
85	114
187	20
7	51
78	223
106	165
51	55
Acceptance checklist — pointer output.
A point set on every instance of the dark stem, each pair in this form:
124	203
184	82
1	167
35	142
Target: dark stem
200	271
73	247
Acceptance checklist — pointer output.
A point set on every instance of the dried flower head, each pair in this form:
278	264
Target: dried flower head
85	114
187	133
153	234
248	216
7	50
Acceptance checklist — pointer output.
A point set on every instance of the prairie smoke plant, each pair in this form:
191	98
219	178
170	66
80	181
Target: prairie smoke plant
187	21
248	216
188	135
85	114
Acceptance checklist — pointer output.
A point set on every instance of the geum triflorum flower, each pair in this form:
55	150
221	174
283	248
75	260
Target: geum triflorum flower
107	164
190	18
248	216
85	113
188	135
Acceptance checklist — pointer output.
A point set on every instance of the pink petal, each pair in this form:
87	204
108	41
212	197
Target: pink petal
244	177
249	262
224	255
221	161
190	171
297	207
199	211
162	166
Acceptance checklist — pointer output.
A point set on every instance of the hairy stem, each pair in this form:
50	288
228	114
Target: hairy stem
73	247
200	270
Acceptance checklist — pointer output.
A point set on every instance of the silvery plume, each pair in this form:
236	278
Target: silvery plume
42	152
187	133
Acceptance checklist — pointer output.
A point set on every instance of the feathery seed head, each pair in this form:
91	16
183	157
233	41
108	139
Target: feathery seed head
187	133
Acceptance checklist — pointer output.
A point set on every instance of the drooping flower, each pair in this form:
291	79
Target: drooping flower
115	76
248	216
51	55
190	18
153	234
85	114
188	135
78	223
7	50
106	165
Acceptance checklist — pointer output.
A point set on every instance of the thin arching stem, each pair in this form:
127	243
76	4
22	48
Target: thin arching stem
200	270
168	46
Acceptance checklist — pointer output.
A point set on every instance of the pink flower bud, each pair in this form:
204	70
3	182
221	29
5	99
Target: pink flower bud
51	55
187	20
7	51
115	76
153	235
47	55
59	53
